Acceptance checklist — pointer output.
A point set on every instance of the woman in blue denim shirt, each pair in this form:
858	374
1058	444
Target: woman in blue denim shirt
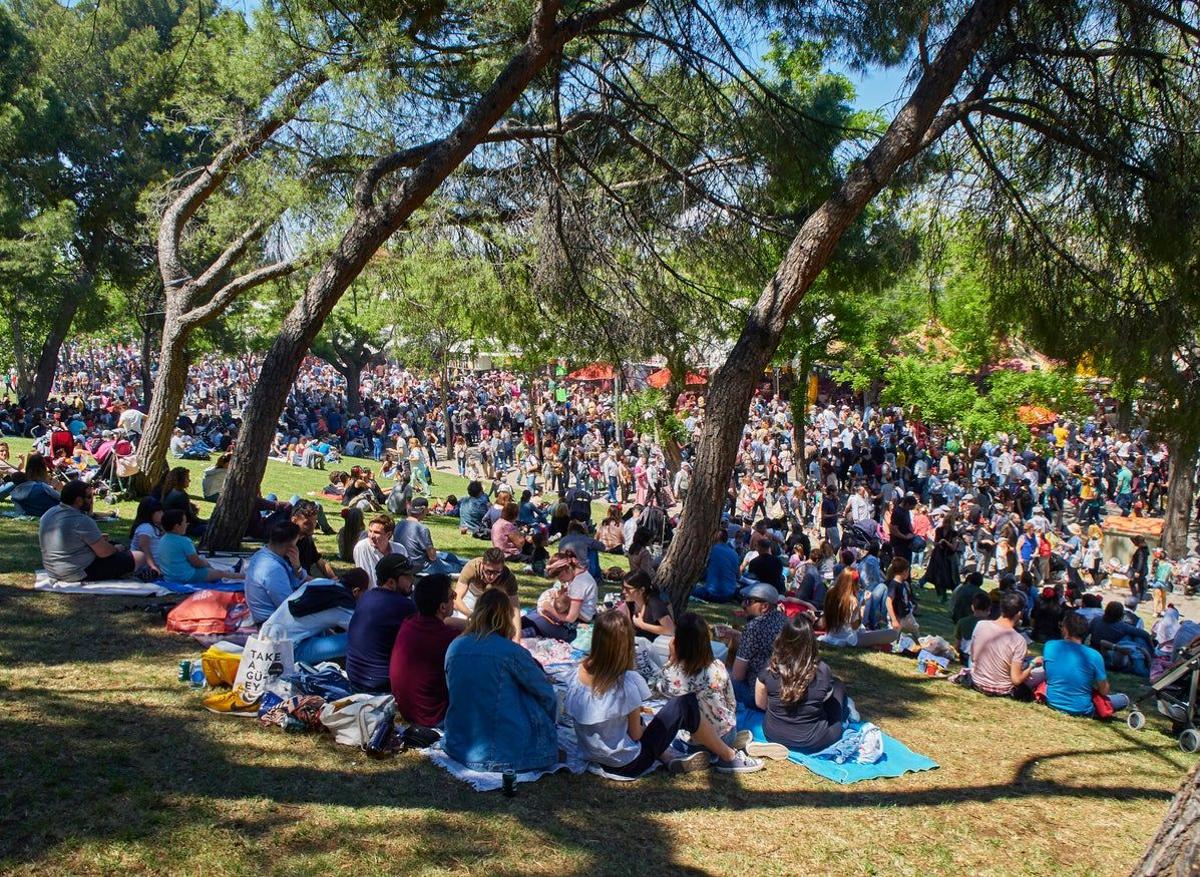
502	710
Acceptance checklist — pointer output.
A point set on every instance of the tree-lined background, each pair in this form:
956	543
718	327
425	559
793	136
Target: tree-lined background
612	181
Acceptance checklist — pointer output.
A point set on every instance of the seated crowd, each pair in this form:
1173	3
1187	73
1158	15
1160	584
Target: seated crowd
446	642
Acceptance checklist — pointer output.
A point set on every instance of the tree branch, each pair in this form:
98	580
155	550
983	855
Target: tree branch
239	149
364	190
225	296
223	262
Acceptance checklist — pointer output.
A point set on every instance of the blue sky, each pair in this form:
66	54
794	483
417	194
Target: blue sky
879	88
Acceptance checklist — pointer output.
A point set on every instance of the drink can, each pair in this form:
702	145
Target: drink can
510	783
185	670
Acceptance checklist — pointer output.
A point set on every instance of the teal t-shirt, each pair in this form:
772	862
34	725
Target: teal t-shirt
1124	480
1072	670
172	557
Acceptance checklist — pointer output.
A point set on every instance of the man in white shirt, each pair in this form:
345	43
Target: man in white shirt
376	545
860	507
131	420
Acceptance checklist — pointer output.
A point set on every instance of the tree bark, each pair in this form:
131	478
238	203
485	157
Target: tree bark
1181	489
47	364
1175	850
352	372
918	124
371	226
144	372
166	399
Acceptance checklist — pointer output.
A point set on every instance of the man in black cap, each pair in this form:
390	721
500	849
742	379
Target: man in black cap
377	618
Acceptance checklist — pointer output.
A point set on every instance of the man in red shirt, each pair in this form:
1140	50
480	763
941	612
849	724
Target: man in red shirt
418	666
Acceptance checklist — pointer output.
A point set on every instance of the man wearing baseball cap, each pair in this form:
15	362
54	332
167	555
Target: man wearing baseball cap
377	618
761	603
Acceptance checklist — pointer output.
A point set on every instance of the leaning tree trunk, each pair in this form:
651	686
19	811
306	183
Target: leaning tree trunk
1175	850
920	122
729	394
167	395
47	364
372	225
276	376
1181	490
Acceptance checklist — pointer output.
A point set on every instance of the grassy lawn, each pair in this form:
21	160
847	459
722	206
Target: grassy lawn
108	765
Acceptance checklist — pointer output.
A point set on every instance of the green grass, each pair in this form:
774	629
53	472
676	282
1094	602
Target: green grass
107	765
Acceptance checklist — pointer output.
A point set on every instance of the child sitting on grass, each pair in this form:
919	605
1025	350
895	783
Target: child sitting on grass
176	556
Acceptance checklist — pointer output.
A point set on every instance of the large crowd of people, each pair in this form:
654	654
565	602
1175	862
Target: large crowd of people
833	531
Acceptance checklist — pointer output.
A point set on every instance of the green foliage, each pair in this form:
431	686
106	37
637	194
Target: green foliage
651	412
940	394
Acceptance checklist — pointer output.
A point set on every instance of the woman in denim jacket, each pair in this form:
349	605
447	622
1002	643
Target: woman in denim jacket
502	710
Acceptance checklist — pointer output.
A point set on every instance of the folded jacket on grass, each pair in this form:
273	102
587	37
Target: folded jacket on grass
897	758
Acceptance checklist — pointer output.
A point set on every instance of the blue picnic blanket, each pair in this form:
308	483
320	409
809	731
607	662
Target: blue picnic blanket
181	588
897	759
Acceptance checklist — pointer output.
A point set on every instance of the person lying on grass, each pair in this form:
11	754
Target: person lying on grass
605	702
177	558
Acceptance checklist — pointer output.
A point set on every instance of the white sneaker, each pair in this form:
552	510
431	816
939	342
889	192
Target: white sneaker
740	763
773	751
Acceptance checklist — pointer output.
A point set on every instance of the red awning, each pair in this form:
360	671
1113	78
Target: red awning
597	371
662	377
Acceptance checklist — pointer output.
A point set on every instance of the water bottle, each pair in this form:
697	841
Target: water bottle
197	675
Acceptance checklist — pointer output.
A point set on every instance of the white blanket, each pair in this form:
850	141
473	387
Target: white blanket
114	587
489	781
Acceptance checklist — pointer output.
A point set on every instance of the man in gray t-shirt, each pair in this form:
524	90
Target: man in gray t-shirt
73	548
414	538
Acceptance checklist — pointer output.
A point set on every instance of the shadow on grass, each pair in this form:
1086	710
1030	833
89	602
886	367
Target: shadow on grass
148	758
45	629
131	761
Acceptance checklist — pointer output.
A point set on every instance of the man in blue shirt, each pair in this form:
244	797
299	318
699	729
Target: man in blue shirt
721	578
472	509
274	572
1074	672
377	619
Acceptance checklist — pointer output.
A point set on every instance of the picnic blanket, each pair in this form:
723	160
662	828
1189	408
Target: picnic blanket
897	758
43	581
489	781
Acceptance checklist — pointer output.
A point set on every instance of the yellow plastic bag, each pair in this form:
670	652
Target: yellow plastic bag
220	667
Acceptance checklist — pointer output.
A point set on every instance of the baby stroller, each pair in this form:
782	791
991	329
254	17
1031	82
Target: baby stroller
1174	695
859	536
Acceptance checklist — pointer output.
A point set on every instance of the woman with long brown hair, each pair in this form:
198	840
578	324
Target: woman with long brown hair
805	703
605	702
843	616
